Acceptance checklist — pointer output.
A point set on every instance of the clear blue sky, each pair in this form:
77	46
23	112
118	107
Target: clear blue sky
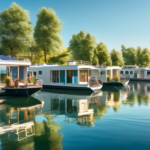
114	22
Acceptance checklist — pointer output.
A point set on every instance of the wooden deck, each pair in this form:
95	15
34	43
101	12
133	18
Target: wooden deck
23	87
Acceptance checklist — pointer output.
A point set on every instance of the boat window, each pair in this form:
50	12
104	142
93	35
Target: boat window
131	72
54	76
40	72
102	73
90	73
148	72
69	76
121	72
83	75
126	72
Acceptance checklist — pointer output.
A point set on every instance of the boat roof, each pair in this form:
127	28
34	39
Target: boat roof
135	69
60	67
14	61
109	68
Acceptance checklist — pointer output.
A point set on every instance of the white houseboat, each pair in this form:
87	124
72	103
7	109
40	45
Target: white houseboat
79	75
16	69
136	74
115	78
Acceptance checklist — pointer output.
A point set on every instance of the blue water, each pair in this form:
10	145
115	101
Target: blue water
114	118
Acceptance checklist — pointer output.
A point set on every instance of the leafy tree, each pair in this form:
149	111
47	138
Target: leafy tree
103	54
46	31
15	30
82	46
129	55
143	57
95	59
138	55
116	58
60	58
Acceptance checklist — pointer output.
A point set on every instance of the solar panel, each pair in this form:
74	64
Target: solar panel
7	58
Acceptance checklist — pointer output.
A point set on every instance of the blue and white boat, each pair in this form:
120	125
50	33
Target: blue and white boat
78	75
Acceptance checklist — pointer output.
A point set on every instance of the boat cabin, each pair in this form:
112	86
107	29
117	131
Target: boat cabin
74	74
136	74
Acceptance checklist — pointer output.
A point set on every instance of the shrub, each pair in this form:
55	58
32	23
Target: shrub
108	79
7	80
116	78
32	80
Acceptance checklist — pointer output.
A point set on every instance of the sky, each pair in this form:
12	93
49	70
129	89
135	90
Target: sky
113	22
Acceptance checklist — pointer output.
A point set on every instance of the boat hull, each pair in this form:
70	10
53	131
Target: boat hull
67	87
21	91
115	83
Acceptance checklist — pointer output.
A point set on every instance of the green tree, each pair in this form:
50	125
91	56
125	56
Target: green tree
116	58
103	54
46	31
60	58
95	59
15	30
82	46
143	57
129	55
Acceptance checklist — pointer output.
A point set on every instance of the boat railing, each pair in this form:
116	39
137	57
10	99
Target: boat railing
95	82
20	83
79	62
15	59
124	78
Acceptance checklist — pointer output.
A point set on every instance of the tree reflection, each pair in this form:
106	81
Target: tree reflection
46	136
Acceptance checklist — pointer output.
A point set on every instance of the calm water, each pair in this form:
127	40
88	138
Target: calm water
114	118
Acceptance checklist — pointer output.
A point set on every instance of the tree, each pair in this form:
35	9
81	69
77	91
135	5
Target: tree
129	55
95	59
60	58
82	46
116	58
103	54
46	31
143	57
15	30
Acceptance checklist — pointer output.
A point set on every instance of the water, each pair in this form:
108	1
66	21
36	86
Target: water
115	118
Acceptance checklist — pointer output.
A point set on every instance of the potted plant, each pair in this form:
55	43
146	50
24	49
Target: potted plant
7	80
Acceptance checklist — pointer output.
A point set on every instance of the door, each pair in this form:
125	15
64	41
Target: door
35	74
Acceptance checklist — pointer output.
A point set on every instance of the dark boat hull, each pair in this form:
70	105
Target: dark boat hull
21	91
67	88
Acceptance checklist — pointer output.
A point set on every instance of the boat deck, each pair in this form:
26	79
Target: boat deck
24	87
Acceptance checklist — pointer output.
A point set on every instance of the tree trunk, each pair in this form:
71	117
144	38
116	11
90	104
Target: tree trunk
11	52
45	55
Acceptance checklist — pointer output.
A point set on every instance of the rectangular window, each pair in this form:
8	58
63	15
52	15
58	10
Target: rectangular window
54	76
121	72
83	75
148	72
62	76
69	76
40	72
126	72
102	73
131	72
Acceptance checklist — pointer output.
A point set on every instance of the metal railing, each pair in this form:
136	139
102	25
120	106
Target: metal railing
25	83
79	62
95	82
124	78
14	59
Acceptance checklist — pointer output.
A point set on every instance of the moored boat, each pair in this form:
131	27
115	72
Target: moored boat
16	70
76	75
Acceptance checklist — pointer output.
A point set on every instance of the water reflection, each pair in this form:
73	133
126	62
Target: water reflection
30	123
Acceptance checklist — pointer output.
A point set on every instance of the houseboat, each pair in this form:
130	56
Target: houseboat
111	76
76	75
136	74
16	69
